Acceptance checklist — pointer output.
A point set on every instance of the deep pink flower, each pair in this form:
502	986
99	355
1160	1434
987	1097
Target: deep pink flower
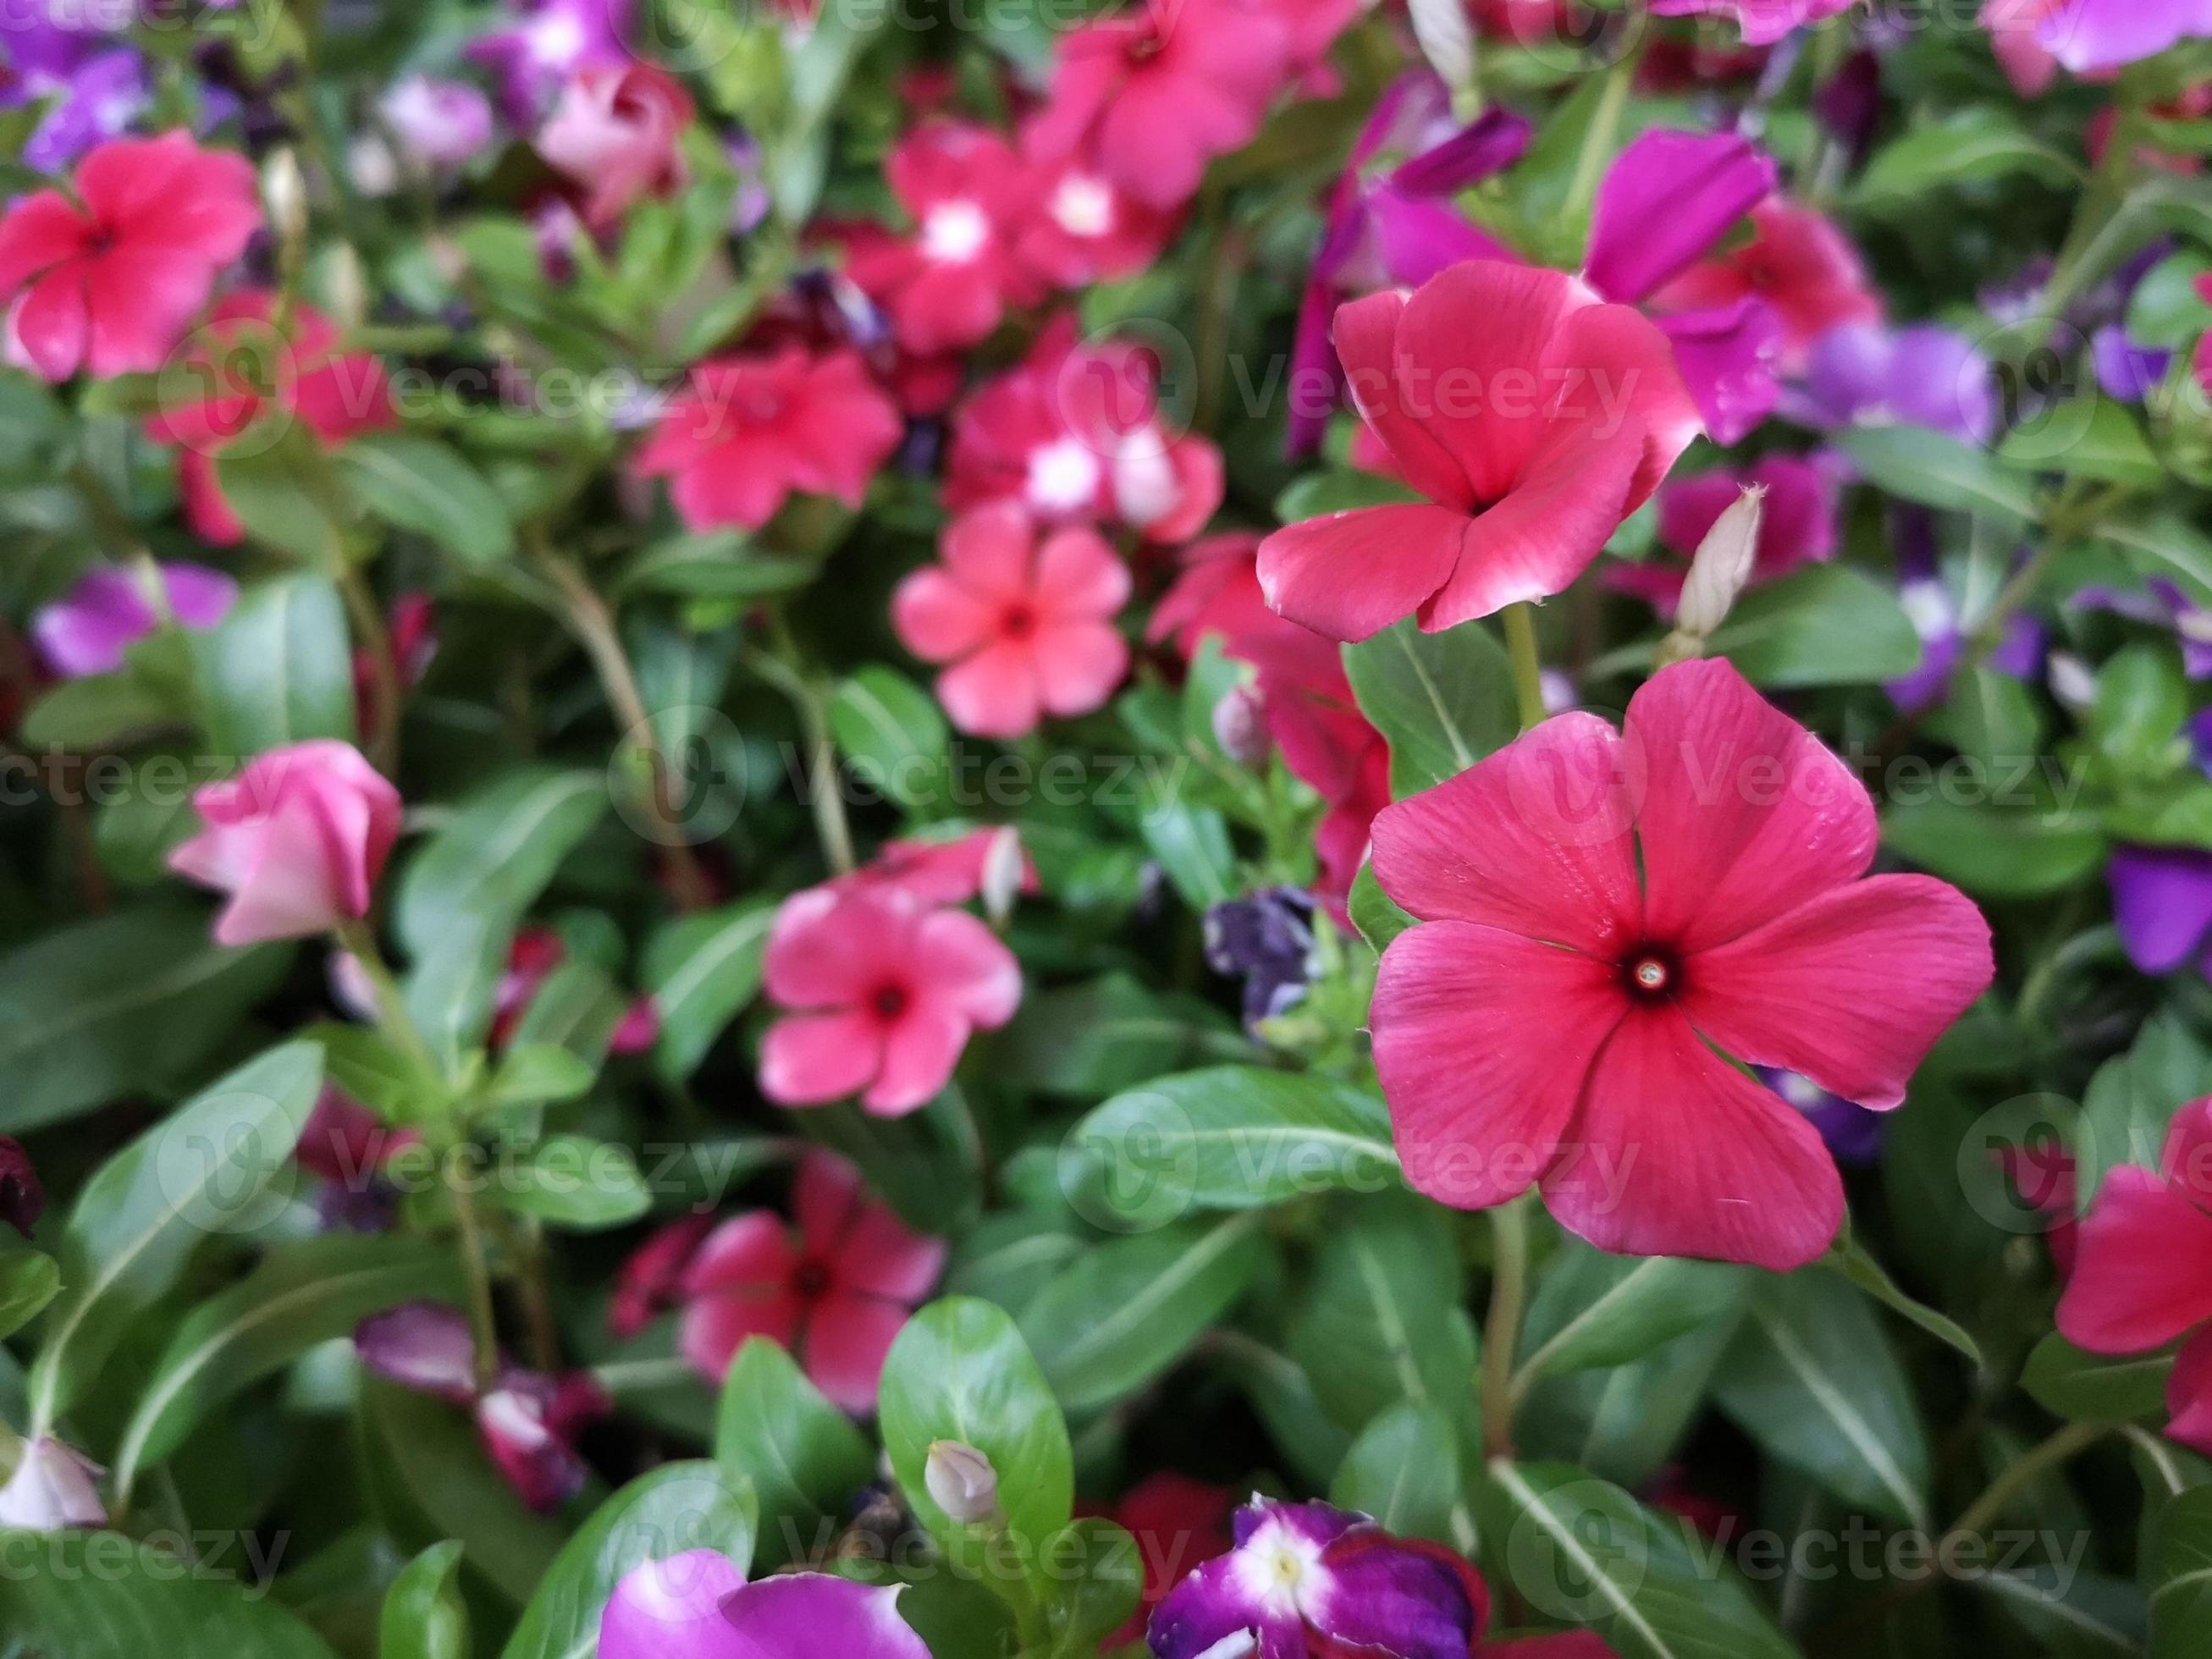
1798	526
297	839
1026	622
749	431
834	1293
89	629
1533	417
530	960
1087	229
1597	907
110	282
1150	96
880	996
950	872
22	1199
1762	21
697	1605
616	135
2142	1270
1797	263
336	395
344	1142
948	283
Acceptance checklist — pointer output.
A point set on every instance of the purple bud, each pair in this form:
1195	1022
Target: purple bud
22	1199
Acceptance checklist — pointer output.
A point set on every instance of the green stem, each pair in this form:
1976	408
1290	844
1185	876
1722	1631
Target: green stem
786	671
1984	1511
1598	142
1520	622
358	939
1508	1289
484	1322
2067	521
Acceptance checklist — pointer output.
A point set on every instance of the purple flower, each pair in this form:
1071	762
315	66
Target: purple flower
439	124
21	1197
108	612
1852	1132
1268	940
97	84
2161	604
1306	1576
2126	371
2162	905
1865	374
698	1605
2090	35
1666	203
1935	615
53	1488
551	40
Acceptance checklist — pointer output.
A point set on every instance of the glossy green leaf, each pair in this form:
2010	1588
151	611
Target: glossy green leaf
1404	1471
99	1596
420	485
279	668
1827	624
2096	1388
702	970
802	1454
1444	701
423	1615
1594	1309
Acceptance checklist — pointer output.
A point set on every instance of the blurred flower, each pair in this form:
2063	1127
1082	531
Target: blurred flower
551	41
1938	618
1025	621
22	1199
1762	21
2142	1270
347	1145
1265	939
697	1605
529	1422
2160	604
439	124
1087	229
1852	1132
89	629
55	1488
94	83
949	872
1797	263
2088	37
880	995
1749	927
1150	96
248	375
1864	374
616	134
1797	527
297	839
1310	1578
530	960
1523	494
1179	1523
2045	1174
834	1292
2162	906
412	622
748	431
109	278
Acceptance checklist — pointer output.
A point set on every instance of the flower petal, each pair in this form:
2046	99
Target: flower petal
1349	575
2142	1268
969	967
994	693
1077	665
1399	1595
810	1615
846	1337
937	618
2161	903
811	1060
715	1326
672	1607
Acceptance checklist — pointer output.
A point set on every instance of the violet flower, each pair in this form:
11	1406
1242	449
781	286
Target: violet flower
2161	604
1866	374
698	1605
439	124
1308	1577
2162	906
97	83
548	43
1852	1134
2090	36
1938	618
1268	939
107	612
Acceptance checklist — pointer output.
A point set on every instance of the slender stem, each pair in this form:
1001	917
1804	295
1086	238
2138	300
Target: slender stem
460	1172
1520	621
2038	1461
2067	521
1508	1289
384	677
786	671
393	1019
1597	143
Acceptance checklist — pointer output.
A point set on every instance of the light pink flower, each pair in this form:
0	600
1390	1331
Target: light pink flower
952	871
616	134
1027	624
54	1486
297	839
881	994
697	1605
1597	907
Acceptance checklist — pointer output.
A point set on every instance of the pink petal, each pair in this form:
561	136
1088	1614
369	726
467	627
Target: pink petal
938	619
811	1060
881	1255
2142	1268
1851	988
2186	1159
50	324
994	693
140	299
1079	577
2188	1393
38	231
1624	378
1349	575
987	551
673	1610
969	967
826	1201
1366	336
920	1050
1675	1153
846	1341
1480	1092
714	1327
825	948
1533	840
812	1615
1743	814
751	1251
1077	665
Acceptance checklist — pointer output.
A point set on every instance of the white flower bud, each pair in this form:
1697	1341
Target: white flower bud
961	1481
1447	38
1003	869
1722	567
54	1486
1239	726
284	189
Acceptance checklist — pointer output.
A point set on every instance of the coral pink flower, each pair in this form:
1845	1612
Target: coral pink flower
750	429
2142	1270
1762	21
1026	622
834	1295
948	284
881	995
1086	229
297	839
1533	417
109	282
616	134
951	872
1797	527
1798	263
1590	991
336	395
1153	95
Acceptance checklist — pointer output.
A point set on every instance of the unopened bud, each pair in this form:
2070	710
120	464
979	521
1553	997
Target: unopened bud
1446	37
284	189
961	1481
54	1486
1004	868
1723	566
1239	726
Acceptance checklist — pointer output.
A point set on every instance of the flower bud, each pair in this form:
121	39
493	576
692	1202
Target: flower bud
55	1485
22	1197
1446	37
284	189
1004	868
1239	726
961	1481
1722	567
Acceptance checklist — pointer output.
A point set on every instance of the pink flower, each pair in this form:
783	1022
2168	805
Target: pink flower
1154	93
1762	21
881	996
297	839
616	133
1798	526
1589	992
111	285
22	1199
2142	1270
697	1605
752	429
1798	263
344	1142
1533	417
530	960
954	871
89	629
948	284
53	1488
1027	623
439	124
1085	228
337	395
835	1294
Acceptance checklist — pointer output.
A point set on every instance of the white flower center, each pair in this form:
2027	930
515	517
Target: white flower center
954	232
555	38
1063	476
1929	604
1084	206
1280	1570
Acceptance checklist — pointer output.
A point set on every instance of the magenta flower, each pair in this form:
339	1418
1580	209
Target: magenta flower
2142	1270
1597	907
550	41
617	134
2093	36
22	1199
1797	526
89	630
1762	21
881	995
698	1606
439	124
1797	263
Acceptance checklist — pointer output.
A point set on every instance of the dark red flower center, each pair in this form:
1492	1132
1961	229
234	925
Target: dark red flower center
890	1001
1650	973
1017	621
810	1280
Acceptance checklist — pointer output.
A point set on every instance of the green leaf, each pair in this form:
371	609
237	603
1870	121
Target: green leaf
1827	624
575	1012
803	1456
99	712
2142	701
1378	917
1442	700
538	1074
1592	1309
196	1173
1125	1312
717	564
2096	437
100	1596
498	852
1936	470
1228	1138
890	734
128	1003
1404	1471
289	499
279	669
420	485
2132	1100
311	1291
29	1279
1811	1377
1109	1033
702	970
2176	1576
1856	1264
677	1507
423	1615
1971	146
2096	1388
1997	852
1338	490
577	1182
1098	1578
959	1370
